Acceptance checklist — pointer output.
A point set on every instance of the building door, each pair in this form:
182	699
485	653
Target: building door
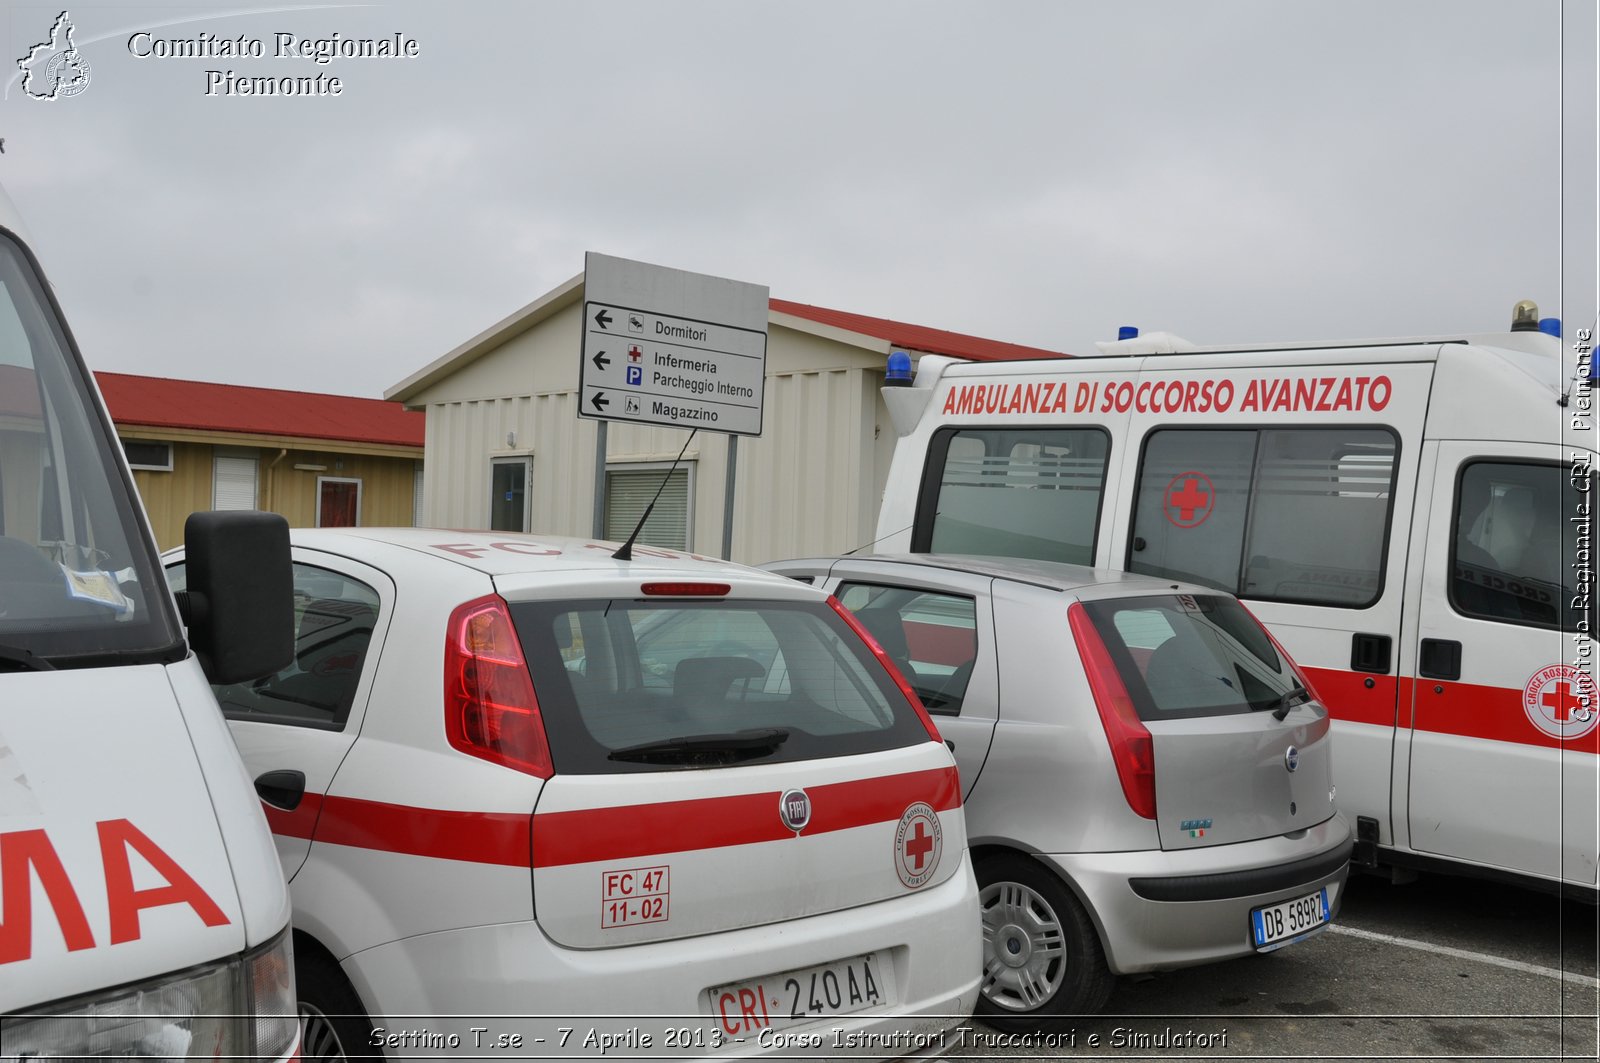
338	502
508	494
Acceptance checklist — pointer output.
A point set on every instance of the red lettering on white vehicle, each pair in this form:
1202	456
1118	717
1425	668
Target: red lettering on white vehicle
634	895
29	854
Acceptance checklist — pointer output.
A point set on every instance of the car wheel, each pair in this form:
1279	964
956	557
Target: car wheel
333	1025
1042	961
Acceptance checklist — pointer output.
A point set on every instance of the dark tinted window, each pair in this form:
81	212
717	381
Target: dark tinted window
1294	515
1517	530
1191	655
334	618
616	677
931	637
1032	492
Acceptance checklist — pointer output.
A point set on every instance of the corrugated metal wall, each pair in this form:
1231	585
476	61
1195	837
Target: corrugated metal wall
809	484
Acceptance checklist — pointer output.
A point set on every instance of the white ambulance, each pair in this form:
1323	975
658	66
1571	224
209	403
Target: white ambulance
142	909
1409	517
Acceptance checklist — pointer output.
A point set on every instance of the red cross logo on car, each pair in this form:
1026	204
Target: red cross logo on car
1190	499
918	843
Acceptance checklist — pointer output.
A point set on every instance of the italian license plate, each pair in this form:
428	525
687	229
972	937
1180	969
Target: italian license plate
791	997
1278	924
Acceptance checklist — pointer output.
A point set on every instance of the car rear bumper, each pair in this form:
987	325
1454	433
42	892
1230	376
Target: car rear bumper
1157	910
511	981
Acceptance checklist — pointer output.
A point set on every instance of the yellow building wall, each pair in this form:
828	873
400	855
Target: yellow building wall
387	484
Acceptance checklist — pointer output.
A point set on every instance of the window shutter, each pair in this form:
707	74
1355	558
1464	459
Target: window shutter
628	492
233	482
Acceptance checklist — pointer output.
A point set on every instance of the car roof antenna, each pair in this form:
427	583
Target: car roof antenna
625	551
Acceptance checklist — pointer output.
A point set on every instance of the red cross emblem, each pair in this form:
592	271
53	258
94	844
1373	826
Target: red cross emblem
1190	499
918	843
634	353
1561	701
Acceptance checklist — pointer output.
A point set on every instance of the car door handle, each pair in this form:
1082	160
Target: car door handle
1440	659
282	789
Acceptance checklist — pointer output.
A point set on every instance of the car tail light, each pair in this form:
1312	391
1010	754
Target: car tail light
686	590
888	662
1293	667
1132	749
489	707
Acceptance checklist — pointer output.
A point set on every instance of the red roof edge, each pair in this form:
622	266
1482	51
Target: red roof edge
160	402
917	337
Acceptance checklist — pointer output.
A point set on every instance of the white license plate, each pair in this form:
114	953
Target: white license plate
1278	924
745	1009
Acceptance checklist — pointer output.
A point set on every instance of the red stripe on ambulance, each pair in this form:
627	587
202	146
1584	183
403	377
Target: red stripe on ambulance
1469	710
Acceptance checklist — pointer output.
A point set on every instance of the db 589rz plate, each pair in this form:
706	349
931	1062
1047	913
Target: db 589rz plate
790	997
1278	924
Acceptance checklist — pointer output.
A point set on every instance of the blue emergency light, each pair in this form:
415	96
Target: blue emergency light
898	374
1550	326
1128	332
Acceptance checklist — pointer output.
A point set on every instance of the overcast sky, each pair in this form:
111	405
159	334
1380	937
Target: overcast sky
1033	172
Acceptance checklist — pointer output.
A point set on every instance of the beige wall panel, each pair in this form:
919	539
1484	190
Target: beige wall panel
169	497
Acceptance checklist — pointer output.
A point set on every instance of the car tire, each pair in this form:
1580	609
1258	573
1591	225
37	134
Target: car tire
333	1025
1042	960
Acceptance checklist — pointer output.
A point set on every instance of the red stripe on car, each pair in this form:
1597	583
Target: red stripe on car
625	831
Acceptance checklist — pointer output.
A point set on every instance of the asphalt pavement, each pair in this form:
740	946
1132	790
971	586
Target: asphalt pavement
1440	968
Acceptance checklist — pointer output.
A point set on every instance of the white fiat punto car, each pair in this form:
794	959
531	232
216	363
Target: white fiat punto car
567	802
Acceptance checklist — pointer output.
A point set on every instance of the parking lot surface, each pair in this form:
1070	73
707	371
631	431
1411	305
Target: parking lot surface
1440	968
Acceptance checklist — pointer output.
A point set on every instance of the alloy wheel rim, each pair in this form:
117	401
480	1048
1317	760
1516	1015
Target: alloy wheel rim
318	1039
1024	947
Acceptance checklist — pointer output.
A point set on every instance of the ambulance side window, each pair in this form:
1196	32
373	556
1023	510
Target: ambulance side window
334	616
1025	492
1292	515
1512	542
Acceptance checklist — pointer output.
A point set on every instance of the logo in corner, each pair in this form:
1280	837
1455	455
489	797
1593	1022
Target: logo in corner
55	69
918	844
1560	701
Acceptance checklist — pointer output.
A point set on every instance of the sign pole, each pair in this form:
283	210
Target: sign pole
727	499
599	529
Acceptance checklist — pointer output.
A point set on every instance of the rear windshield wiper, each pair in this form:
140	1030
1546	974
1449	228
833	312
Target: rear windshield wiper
1293	696
23	660
706	749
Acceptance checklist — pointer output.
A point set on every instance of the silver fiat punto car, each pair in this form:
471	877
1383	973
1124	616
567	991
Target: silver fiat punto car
1147	777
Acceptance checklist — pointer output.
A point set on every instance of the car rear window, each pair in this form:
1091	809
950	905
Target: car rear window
1185	655
619	682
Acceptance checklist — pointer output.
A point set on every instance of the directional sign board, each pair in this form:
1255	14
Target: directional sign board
667	347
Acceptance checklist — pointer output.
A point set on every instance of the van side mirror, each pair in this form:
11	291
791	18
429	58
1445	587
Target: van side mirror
240	601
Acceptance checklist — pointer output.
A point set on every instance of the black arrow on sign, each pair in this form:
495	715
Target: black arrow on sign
600	360
600	401
602	318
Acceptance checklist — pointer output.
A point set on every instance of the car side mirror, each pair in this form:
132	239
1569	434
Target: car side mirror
239	605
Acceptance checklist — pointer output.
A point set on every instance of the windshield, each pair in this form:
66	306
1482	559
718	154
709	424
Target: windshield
77	573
